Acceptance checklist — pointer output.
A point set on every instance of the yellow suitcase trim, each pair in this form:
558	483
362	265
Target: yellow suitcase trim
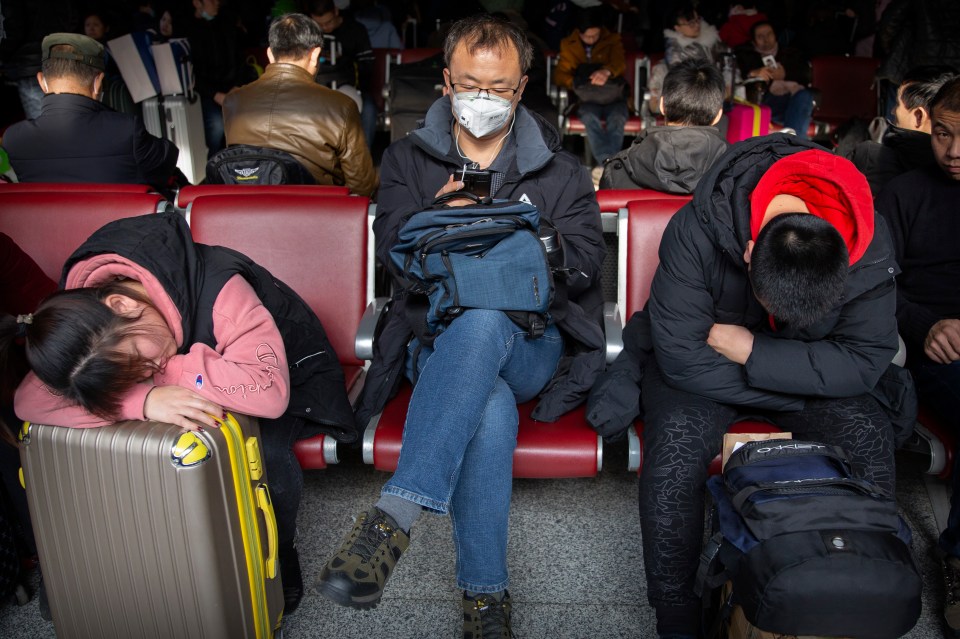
756	115
249	529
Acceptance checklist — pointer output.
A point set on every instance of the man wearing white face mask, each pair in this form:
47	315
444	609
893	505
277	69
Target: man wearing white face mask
76	138
462	420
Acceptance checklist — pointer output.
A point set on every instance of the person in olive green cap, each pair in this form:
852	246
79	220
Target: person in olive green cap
78	139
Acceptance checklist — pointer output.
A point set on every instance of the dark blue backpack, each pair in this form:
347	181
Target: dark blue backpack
810	548
487	255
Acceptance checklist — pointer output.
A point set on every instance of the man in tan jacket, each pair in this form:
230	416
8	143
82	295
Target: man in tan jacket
591	65
286	110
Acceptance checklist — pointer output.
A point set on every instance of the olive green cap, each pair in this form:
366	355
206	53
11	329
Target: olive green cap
85	49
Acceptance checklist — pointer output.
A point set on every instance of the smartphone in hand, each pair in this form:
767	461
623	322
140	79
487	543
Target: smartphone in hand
474	180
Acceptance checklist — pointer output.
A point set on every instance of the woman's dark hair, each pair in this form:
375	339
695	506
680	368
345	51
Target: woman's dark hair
798	268
75	345
757	25
684	10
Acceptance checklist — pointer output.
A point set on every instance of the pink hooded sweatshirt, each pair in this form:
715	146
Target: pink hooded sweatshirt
246	372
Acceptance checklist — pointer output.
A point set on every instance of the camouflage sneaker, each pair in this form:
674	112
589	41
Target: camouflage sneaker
356	575
486	618
951	594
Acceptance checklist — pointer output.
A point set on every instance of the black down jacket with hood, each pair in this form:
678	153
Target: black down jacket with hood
702	279
412	171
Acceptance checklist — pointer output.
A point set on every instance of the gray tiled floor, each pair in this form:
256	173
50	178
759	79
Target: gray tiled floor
576	567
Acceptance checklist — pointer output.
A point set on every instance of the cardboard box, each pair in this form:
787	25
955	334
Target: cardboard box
733	441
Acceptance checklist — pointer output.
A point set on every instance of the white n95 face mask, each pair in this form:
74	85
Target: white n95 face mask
481	115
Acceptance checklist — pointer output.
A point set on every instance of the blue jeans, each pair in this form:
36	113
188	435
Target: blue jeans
938	386
212	125
794	111
461	430
605	141
368	118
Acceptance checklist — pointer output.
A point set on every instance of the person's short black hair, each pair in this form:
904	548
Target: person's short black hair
318	7
66	68
799	268
920	84
589	19
692	93
948	97
293	36
679	11
757	25
483	32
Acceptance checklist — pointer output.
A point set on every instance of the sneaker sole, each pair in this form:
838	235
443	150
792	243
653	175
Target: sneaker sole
338	595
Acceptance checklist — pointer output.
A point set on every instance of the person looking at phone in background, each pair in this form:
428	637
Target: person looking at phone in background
786	74
462	420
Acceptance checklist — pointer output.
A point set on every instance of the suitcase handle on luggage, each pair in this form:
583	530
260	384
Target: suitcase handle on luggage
266	505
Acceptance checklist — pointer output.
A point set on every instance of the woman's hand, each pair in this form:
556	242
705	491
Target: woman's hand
182	407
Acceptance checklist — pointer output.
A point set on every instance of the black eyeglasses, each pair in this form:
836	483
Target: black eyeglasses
501	92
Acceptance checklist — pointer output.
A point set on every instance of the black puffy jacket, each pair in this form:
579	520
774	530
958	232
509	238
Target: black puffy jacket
899	151
702	280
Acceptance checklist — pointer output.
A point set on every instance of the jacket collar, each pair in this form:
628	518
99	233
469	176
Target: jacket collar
74	101
722	198
537	141
286	68
913	146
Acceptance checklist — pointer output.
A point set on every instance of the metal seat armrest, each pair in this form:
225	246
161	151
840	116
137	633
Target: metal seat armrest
363	345
613	330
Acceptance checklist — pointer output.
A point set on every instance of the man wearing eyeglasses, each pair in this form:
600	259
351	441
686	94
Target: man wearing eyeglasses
462	420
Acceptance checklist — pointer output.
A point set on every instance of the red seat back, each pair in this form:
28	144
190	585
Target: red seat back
50	226
72	187
847	88
612	200
645	224
416	55
188	193
316	245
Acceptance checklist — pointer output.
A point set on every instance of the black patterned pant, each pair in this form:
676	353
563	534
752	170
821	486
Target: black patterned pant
682	433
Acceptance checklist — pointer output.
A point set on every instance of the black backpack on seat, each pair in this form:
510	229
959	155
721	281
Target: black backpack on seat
248	164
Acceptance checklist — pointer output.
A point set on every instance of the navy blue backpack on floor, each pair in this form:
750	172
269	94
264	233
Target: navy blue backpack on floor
810	548
487	255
